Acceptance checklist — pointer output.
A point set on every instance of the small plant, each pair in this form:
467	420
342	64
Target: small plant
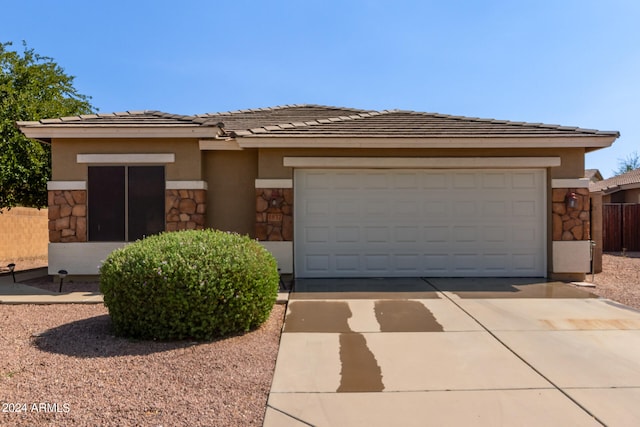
189	284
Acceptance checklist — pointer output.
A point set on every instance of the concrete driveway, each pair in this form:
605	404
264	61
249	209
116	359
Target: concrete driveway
488	352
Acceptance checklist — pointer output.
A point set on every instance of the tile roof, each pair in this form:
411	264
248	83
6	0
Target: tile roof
593	175
127	118
322	121
317	121
613	184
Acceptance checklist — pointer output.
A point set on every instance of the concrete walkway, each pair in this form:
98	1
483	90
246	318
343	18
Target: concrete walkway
19	293
481	352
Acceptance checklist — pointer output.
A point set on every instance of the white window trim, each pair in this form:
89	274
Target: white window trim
570	183
66	185
187	185
274	183
126	158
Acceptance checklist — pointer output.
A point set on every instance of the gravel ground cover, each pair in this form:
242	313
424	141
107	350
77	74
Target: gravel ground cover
620	278
60	365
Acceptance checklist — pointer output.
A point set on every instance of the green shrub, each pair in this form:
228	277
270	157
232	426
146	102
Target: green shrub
189	284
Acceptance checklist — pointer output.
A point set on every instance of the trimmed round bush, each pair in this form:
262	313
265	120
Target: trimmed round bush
189	284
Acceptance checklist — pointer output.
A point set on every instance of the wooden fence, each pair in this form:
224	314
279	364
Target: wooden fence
620	227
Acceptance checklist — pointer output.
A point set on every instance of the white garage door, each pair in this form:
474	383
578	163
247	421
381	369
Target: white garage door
431	223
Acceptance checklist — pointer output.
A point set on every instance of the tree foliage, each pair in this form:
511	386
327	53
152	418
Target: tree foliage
32	87
629	163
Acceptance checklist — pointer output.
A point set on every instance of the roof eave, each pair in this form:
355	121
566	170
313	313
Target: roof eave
590	143
47	133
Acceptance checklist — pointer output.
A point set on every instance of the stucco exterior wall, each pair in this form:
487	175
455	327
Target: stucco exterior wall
187	166
231	198
624	196
632	196
270	165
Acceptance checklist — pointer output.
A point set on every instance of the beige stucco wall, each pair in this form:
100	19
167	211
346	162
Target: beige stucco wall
187	166
271	160
231	198
625	196
632	196
24	233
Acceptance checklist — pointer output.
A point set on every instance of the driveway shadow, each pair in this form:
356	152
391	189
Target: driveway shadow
363	288
93	338
505	287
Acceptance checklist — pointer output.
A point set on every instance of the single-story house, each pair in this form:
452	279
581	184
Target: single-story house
616	212
331	192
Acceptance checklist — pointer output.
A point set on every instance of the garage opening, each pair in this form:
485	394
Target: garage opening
417	222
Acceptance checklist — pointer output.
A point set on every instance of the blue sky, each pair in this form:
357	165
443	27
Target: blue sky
569	62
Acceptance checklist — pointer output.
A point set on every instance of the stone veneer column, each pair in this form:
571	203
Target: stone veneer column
67	216
185	209
274	214
571	223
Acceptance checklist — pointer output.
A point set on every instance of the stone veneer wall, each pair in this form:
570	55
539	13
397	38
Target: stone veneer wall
67	216
274	214
185	209
571	223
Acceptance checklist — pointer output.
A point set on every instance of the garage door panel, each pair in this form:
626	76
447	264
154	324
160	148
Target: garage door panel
316	235
494	180
464	180
465	208
346	207
494	234
348	234
524	208
377	262
406	234
436	234
406	207
465	234
317	207
526	180
375	181
376	235
435	181
419	223
316	263
347	263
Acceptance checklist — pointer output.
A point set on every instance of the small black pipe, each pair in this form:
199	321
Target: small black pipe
12	268
63	274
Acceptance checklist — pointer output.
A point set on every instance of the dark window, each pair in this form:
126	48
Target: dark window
146	201
106	202
125	203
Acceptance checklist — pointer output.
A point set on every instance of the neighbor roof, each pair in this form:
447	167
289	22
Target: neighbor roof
303	121
617	183
593	175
